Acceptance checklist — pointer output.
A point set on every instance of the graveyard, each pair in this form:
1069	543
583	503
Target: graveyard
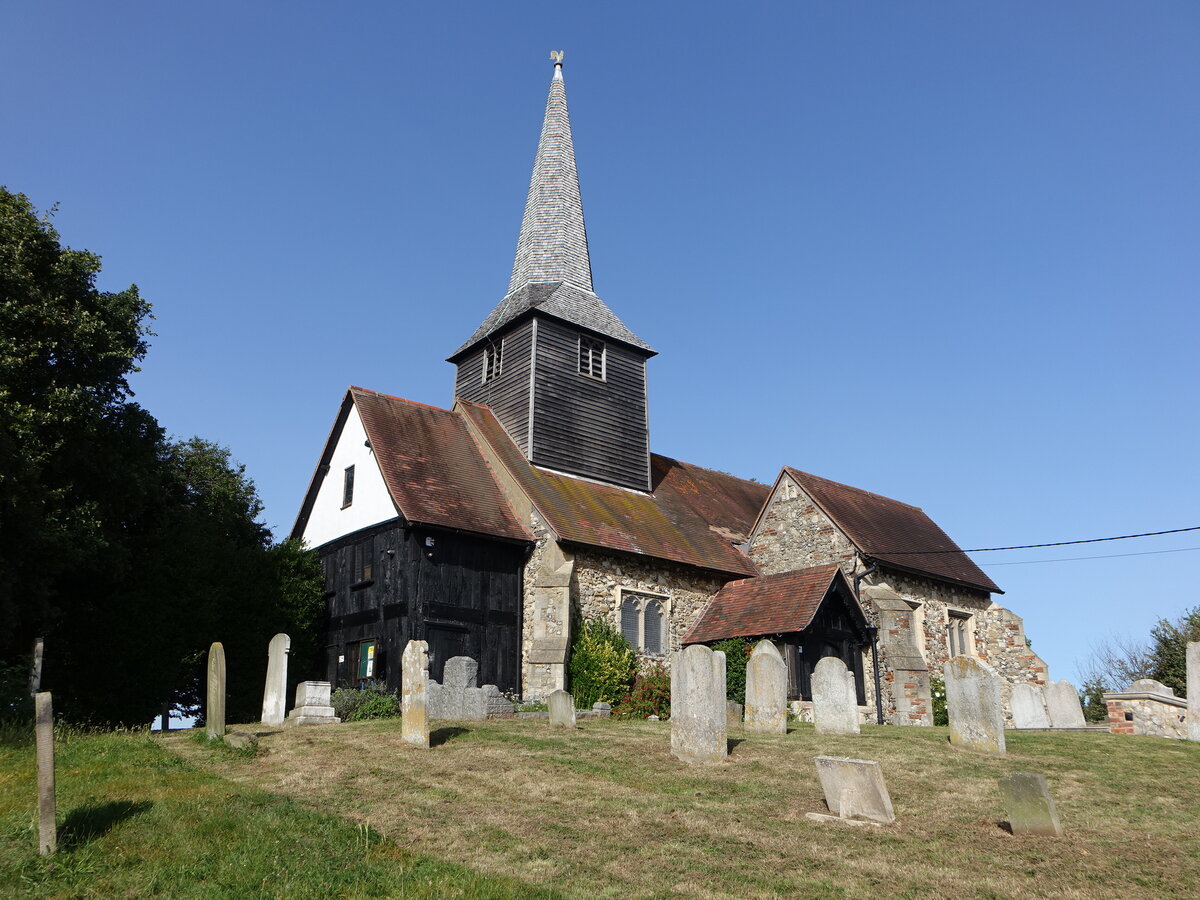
514	807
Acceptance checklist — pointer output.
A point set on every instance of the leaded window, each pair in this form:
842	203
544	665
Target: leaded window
643	622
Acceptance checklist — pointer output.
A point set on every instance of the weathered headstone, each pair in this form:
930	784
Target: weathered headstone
1062	703
855	789
414	695
214	708
275	691
1193	691
973	705
766	690
602	710
834	698
1029	706
47	809
733	714
242	740
562	709
312	705
1029	805
698	731
457	697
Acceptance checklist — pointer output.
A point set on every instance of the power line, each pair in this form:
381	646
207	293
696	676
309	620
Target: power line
1120	537
1027	562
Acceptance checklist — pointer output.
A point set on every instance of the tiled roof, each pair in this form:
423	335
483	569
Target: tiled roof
883	528
695	516
433	467
769	604
558	299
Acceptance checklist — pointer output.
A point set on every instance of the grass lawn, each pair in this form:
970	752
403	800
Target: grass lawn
136	820
606	811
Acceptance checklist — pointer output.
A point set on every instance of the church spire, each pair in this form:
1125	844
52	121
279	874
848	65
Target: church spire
553	242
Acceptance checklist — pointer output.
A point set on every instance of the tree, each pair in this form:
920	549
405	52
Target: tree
1168	649
1116	663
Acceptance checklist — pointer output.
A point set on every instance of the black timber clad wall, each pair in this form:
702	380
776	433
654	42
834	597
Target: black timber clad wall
508	394
583	425
462	587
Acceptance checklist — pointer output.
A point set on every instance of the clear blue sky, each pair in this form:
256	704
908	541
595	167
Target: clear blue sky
945	252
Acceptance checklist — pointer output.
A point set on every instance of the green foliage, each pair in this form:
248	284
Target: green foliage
651	695
379	706
603	665
1168	649
371	701
937	689
737	653
1091	697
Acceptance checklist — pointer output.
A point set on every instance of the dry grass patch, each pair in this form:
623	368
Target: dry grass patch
606	811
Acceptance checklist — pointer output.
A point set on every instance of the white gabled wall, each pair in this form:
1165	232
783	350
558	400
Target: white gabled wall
372	501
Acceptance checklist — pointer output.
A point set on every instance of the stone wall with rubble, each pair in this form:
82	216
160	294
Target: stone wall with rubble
795	534
1149	708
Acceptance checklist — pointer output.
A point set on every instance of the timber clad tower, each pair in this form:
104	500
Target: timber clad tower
562	373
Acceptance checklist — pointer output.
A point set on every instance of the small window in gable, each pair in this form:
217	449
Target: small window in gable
591	357
493	358
348	487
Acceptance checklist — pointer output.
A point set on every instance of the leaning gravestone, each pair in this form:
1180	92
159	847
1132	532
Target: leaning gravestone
1029	805
1029	706
214	709
312	705
562	709
275	691
854	789
834	699
458	698
414	695
766	690
973	705
1062	702
1193	691
698	731
733	714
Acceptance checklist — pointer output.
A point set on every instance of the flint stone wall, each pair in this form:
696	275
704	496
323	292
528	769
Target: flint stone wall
1147	708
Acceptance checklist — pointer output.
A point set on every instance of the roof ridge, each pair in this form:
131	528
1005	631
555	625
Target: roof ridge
355	387
851	487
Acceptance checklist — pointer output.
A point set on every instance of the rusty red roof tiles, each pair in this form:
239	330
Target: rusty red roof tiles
769	604
433	467
694	516
884	529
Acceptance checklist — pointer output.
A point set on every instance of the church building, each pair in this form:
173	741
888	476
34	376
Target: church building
493	528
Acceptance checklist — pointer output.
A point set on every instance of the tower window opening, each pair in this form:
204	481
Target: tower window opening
493	358
591	357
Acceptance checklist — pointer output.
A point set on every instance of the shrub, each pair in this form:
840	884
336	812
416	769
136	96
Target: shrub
937	688
737	653
1091	697
371	701
651	695
603	665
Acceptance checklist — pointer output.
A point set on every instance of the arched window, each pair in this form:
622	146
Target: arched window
630	616
652	627
643	620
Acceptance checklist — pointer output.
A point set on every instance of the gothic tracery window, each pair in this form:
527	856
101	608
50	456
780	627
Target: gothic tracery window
643	622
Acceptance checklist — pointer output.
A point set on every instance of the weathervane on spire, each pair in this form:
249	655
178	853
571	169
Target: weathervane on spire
557	56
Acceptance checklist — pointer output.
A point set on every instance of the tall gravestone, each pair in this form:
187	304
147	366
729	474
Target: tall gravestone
766	690
1193	691
974	706
214	708
698	730
1029	805
834	699
275	691
1062	703
855	789
1028	704
562	709
414	694
47	807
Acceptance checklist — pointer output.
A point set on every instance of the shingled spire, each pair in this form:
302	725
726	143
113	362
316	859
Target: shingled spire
553	243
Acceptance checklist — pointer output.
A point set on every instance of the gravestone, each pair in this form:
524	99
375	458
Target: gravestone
698	731
44	739
1062	703
733	714
973	705
312	705
1029	805
562	709
854	789
458	698
1029	706
602	710
275	691
1193	691
414	695
766	690
834	699
214	709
